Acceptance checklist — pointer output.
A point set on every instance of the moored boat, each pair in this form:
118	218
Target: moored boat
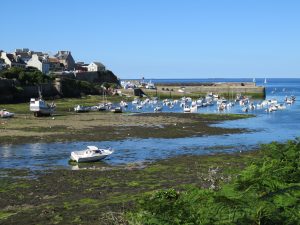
91	154
40	108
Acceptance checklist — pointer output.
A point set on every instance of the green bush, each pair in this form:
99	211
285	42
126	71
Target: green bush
28	76
266	192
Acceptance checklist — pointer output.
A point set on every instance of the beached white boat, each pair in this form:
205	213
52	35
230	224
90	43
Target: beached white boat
116	109
6	114
80	109
91	154
40	108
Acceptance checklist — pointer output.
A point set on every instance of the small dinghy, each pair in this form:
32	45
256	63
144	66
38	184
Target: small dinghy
91	154
6	114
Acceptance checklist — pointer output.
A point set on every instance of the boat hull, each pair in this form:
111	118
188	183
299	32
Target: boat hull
87	159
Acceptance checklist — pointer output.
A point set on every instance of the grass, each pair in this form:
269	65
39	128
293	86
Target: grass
4	215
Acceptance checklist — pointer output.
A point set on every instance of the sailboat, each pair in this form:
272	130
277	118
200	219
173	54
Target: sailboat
265	81
253	80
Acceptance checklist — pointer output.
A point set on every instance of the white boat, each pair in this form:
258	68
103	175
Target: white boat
265	81
158	109
80	109
91	154
116	109
123	104
139	107
186	109
6	114
40	108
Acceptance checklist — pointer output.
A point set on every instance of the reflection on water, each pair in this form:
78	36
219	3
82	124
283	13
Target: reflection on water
276	126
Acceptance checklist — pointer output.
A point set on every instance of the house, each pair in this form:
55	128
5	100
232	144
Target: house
24	54
66	58
12	60
2	64
96	66
81	67
55	65
39	62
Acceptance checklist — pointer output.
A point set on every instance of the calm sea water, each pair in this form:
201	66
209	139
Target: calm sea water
266	127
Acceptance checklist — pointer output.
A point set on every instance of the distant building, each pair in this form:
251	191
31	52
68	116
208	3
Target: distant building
2	64
55	65
66	58
23	53
81	67
39	62
96	66
26	54
12	60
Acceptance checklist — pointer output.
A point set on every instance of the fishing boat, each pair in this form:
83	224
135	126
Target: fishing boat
40	108
91	154
5	114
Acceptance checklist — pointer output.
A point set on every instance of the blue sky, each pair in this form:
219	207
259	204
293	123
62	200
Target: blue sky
162	39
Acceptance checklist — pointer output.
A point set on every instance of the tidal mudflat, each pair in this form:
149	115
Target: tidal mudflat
97	126
100	194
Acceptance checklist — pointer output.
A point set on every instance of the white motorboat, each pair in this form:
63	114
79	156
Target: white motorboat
6	114
158	109
186	108
80	109
123	104
91	154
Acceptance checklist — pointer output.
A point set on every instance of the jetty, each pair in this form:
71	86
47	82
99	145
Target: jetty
195	89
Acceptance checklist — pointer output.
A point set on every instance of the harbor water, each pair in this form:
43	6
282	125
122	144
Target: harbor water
265	127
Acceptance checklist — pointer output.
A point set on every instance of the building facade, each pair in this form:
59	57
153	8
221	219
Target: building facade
96	66
12	60
66	58
39	62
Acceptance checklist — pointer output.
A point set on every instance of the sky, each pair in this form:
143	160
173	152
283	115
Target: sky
162	38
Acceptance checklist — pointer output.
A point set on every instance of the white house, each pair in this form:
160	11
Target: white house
96	66
39	62
12	60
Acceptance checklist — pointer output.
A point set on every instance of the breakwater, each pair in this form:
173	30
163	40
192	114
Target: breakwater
228	89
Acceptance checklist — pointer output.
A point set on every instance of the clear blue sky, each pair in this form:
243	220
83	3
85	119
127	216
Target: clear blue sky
162	38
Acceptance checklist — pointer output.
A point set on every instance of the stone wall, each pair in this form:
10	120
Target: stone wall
97	77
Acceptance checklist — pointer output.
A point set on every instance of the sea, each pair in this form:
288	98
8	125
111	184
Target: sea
281	125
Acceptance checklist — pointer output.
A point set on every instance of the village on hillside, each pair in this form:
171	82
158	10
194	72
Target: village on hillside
24	72
60	62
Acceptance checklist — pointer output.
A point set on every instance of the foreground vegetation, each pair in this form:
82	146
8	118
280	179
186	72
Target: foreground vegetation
265	192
